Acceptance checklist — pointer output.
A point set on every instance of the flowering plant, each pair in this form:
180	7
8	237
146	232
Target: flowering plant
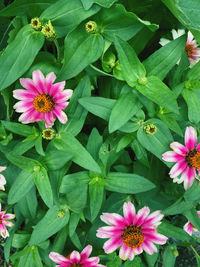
99	132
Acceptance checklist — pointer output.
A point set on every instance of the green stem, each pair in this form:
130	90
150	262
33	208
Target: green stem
58	49
195	252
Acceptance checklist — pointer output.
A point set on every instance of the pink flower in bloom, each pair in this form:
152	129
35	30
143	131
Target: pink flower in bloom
188	227
76	259
133	233
187	158
4	222
2	179
191	48
42	100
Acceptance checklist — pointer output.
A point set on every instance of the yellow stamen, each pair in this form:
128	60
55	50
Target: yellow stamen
43	103
189	48
132	236
193	159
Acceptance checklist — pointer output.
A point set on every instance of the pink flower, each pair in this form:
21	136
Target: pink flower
42	100
2	179
133	233
76	259
191	49
188	227
187	158
4	222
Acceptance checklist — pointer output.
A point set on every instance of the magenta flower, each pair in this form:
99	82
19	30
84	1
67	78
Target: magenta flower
75	259
188	227
42	100
4	222
187	158
133	233
192	49
2	179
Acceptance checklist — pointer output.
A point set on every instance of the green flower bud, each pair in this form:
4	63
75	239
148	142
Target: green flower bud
91	27
142	80
36	168
36	24
61	214
48	31
149	128
175	252
48	134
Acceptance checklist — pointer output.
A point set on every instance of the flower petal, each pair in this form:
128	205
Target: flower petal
171	156
112	244
149	247
58	258
188	228
142	215
112	219
188	176
179	148
124	252
129	213
2	169
75	256
190	138
86	252
177	169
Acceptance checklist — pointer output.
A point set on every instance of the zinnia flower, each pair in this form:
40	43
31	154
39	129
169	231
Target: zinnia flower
188	227
75	259
4	222
191	46
133	232
2	179
187	158
42	100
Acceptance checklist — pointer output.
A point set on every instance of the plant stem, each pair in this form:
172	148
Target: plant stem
58	49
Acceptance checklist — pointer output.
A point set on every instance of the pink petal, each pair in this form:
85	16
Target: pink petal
60	115
75	256
129	213
3	231
23	94
171	156
154	219
155	237
2	188
58	258
2	180
93	261
131	255
2	169
198	147
149	247
177	169
124	252
29	85
190	37
9	216
112	219
39	81
142	214
23	106
57	88
49	119
188	228
9	224
190	138
179	148
112	244
86	252
109	231
188	176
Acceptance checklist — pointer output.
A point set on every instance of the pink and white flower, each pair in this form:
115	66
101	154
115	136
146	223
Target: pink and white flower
2	179
76	259
187	158
133	233
191	47
188	227
4	222
42	100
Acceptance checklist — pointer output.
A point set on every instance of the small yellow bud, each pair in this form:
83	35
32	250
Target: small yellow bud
91	27
48	134
48	31
149	128
61	213
36	24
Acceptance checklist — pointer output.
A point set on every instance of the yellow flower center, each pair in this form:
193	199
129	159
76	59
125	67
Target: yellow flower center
43	103
132	236
189	48
193	159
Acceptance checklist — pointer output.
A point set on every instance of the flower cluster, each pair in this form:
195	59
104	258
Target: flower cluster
4	222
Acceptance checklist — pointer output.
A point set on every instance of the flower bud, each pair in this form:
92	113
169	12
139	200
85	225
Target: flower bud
48	31
142	80
36	24
149	128
91	27
48	134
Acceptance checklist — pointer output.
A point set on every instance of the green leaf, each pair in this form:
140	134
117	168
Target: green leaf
168	257
178	207
193	193
192	100
164	59
96	192
68	143
18	128
50	224
87	3
65	15
36	257
157	143
159	93
43	185
127	183
125	141
132	68
193	217
98	106
105	3
71	181
20	240
19	55
95	141
80	50
140	152
124	109
171	123
22	185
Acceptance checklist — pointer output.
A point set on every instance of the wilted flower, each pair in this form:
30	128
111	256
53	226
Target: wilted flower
188	227
133	232
76	259
149	128
48	31
187	158
36	24
4	222
191	46
42	100
2	179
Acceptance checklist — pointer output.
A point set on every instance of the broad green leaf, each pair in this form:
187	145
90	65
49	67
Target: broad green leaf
127	183
43	185
178	207
192	100
60	239
171	123
18	128
23	7
68	143
105	3
125	141
151	259
159	93
36	257
87	3
124	109
132	69
163	60
65	15
20	240
140	152
193	193
193	217
71	181
95	141
80	49
157	143
19	55
74	220
22	185
96	192
53	221
98	106
193	73
168	257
